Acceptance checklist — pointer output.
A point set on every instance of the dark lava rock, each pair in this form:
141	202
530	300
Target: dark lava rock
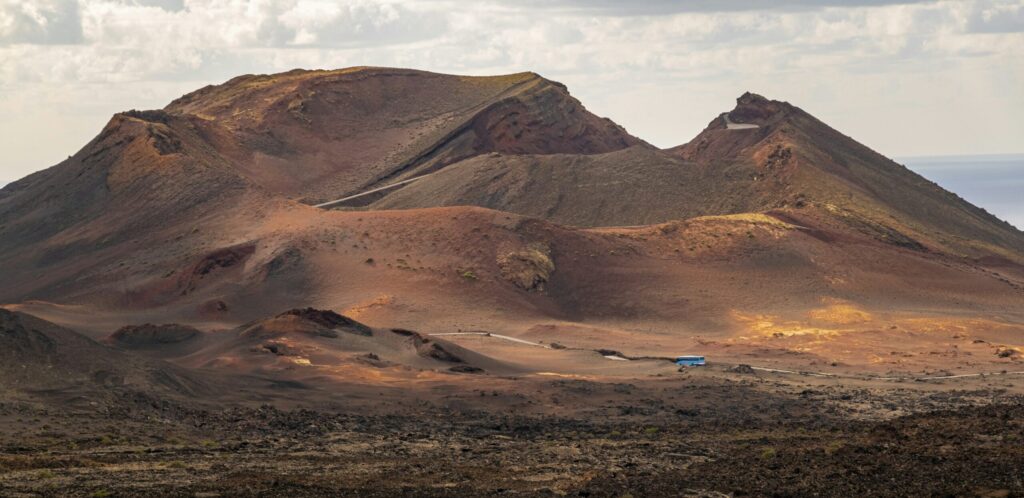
741	369
150	335
330	319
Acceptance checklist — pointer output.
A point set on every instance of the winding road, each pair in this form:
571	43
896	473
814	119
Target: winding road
368	192
759	369
496	336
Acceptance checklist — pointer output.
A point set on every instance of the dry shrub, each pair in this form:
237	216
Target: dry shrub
528	268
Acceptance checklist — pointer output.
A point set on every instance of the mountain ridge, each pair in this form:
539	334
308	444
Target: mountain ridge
373	125
789	152
178	215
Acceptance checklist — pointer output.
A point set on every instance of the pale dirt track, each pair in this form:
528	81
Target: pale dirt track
368	192
759	369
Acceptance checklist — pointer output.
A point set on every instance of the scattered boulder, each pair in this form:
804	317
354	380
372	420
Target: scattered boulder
213	306
779	156
741	369
431	349
278	348
428	348
1008	352
466	369
373	360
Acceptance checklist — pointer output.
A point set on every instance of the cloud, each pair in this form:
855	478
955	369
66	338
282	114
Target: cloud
39	22
660	7
662	68
287	23
997	18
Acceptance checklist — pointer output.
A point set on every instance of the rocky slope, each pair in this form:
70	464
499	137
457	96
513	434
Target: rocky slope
773	156
793	160
490	342
181	215
223	157
45	359
634	186
321	134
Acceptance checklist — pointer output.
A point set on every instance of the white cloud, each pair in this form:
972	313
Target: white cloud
662	68
996	17
39	21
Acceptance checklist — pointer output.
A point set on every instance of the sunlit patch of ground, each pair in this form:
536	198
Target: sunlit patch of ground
834	318
358	311
760	326
839	313
845	335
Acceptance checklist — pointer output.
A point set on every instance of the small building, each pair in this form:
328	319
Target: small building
690	361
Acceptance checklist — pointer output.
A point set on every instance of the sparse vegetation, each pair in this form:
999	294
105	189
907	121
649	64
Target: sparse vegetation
528	268
311	402
833	448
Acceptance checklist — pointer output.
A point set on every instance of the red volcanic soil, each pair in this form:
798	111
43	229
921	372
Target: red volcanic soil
794	160
352	129
539	281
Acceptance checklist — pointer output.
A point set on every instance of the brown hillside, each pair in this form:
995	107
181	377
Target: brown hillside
774	156
171	217
37	355
635	186
322	134
794	160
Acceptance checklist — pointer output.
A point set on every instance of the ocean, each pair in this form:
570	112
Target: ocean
994	182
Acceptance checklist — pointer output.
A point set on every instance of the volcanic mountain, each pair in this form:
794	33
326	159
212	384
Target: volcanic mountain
519	218
763	155
256	141
318	134
506	278
784	157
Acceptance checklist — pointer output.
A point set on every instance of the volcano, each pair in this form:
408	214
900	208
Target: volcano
763	155
436	284
494	203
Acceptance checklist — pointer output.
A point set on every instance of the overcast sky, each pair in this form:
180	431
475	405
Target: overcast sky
906	78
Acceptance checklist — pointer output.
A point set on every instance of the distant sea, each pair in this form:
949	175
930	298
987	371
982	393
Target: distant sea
994	182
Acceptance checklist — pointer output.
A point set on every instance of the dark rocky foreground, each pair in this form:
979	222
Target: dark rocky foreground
734	439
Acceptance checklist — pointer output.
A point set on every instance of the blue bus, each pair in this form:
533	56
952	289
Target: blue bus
690	361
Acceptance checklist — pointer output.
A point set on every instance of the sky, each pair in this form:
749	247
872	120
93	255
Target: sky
907	78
